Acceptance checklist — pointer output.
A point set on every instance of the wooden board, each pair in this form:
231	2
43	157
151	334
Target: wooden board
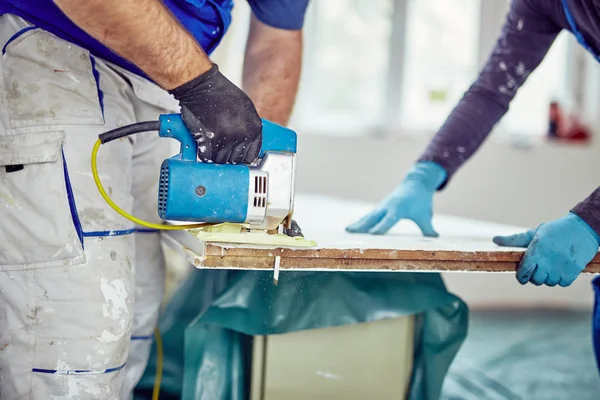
463	245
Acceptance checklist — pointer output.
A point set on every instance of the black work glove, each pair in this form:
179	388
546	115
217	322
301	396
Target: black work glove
221	118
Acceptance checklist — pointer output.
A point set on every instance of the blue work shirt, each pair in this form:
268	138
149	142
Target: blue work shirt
206	20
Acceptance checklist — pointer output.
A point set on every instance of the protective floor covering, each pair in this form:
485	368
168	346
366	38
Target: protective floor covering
528	355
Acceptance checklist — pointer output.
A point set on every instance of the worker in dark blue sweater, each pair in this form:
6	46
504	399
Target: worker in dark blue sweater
558	250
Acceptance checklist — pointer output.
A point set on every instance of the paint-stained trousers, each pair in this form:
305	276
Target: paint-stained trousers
80	286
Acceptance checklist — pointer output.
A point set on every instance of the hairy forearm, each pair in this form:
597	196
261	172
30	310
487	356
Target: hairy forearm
143	32
272	70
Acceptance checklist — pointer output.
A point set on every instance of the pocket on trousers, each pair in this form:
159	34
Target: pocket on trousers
48	81
39	226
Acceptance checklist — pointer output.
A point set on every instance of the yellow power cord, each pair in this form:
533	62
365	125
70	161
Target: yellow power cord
159	364
159	347
123	212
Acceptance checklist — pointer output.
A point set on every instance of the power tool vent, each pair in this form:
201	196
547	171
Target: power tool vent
260	191
163	187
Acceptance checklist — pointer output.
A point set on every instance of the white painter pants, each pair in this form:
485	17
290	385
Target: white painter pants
80	286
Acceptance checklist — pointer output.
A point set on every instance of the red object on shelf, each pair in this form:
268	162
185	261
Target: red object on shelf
567	129
576	131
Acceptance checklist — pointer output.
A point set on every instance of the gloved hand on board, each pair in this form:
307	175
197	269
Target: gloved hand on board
412	199
221	117
557	251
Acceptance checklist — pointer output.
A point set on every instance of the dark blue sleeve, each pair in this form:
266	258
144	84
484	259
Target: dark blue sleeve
524	40
282	14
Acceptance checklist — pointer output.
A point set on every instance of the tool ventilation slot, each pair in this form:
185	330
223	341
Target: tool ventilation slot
163	188
260	191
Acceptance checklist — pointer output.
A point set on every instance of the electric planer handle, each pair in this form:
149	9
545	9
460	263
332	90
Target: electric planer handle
275	138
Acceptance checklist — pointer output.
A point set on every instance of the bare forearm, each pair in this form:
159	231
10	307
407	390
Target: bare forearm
272	70
143	32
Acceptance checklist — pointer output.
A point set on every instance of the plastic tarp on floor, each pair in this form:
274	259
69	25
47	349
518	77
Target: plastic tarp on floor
208	325
525	355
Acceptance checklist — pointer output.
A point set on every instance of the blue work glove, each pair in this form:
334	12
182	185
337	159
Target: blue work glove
557	251
412	199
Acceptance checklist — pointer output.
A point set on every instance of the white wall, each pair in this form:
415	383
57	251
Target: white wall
500	183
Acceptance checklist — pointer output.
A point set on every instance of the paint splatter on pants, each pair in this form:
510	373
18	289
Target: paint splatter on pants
80	287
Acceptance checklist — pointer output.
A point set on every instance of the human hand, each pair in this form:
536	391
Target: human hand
412	199
221	118
557	251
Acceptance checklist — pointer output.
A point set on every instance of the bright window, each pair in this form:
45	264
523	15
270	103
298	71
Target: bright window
440	60
400	66
345	66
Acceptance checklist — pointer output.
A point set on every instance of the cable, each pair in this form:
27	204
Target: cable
127	130
159	364
123	212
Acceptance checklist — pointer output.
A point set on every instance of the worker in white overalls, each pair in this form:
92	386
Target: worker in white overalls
80	286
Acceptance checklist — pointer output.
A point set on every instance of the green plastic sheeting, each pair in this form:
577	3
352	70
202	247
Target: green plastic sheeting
208	325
